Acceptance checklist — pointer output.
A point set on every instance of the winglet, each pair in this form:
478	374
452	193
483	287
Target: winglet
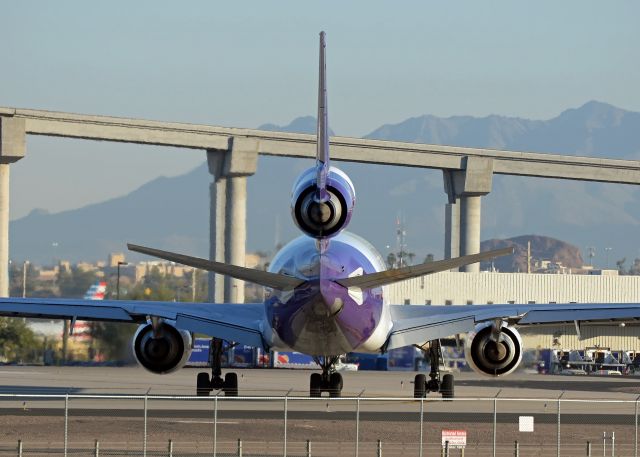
322	152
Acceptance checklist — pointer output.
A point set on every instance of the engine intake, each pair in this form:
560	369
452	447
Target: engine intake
490	357
163	353
327	218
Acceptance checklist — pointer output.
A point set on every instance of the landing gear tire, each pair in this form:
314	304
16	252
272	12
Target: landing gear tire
419	386
329	381
447	387
315	385
230	387
335	385
436	383
203	385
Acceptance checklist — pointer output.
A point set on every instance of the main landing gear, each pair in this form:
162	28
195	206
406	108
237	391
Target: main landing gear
204	385
443	384
329	381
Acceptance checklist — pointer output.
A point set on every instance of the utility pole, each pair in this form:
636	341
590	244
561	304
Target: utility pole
528	256
193	285
120	264
24	278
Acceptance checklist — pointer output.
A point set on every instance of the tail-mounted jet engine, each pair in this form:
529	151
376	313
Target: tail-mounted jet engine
162	351
493	350
325	217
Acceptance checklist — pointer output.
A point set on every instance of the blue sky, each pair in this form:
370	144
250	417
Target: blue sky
247	63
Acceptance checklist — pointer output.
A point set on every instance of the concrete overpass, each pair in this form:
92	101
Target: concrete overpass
232	156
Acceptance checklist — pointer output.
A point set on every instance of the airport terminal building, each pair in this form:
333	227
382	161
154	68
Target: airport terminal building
453	288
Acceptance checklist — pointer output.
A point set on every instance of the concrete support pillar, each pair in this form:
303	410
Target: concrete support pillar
452	229
470	229
217	220
235	235
464	189
228	213
12	148
4	230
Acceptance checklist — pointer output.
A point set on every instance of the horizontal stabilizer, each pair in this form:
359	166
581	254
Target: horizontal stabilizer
369	281
263	278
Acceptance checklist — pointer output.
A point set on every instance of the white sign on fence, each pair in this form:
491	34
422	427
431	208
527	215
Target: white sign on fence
456	438
526	424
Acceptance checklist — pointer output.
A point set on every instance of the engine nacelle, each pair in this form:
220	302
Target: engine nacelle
165	353
322	219
493	358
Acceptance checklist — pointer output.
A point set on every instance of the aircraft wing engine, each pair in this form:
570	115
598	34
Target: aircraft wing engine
492	352
162	351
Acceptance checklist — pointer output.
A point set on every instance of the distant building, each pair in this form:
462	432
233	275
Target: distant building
453	288
115	258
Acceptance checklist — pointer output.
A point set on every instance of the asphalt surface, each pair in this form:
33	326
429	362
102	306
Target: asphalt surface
589	407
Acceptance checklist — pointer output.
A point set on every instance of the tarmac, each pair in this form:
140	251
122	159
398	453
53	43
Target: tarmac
382	401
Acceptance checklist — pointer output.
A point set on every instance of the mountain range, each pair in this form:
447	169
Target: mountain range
173	213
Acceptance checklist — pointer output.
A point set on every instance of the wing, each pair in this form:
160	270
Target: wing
241	323
417	324
382	278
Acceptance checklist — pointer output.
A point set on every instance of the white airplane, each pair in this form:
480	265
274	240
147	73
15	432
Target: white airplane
326	297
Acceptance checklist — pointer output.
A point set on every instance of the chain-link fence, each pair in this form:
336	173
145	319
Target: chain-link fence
181	426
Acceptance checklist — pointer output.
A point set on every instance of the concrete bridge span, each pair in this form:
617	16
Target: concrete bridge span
232	156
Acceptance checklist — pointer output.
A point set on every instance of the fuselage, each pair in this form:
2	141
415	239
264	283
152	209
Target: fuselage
322	317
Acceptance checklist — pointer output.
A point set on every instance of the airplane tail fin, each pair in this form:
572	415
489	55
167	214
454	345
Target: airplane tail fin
322	152
372	280
263	278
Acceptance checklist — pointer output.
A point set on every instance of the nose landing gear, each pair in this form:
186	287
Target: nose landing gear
329	381
436	383
204	384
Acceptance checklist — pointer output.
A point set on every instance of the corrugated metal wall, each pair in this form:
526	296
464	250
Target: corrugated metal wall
479	288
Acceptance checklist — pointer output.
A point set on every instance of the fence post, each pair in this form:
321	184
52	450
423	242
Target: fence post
239	454
66	423
379	449
96	449
516	450
215	424
170	448
19	448
421	425
495	420
286	409
358	425
613	444
604	444
558	454
635	441
446	449
308	448
144	439
588	448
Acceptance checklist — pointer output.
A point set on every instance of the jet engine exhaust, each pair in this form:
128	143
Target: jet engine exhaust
326	217
163	352
490	357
